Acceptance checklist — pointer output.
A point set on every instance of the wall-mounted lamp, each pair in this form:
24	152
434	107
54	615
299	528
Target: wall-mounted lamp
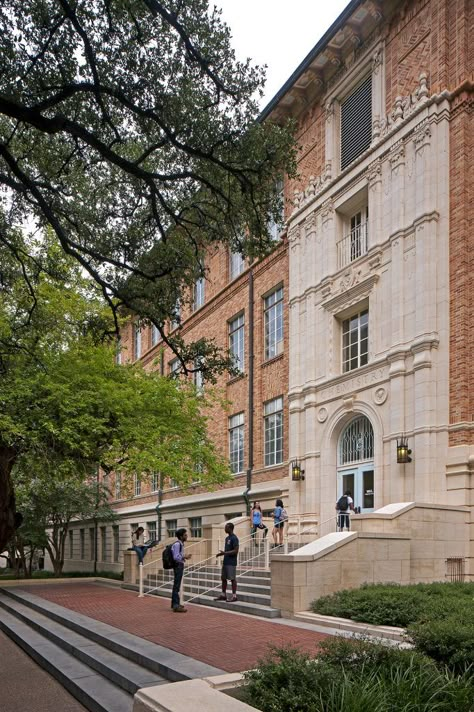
403	453
297	473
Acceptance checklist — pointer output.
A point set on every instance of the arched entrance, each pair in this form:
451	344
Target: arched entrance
355	457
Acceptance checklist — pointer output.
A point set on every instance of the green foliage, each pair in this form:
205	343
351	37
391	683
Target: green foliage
447	637
356	676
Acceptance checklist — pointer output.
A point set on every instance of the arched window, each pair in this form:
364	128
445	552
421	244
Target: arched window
356	443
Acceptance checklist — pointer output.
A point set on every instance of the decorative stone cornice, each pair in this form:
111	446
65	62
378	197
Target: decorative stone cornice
351	293
405	106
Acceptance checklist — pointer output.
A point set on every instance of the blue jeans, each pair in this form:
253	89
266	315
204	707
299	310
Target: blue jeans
178	577
141	551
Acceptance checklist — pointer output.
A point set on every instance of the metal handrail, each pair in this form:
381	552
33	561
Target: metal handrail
201	541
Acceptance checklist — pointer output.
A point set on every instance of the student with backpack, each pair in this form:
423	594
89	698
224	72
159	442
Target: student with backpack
344	505
280	516
174	557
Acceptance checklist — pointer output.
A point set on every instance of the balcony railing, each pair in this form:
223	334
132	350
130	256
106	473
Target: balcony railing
353	245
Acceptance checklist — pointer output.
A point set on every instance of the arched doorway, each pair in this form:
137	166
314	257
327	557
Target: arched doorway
355	456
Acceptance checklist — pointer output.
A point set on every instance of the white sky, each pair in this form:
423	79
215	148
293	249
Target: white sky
277	33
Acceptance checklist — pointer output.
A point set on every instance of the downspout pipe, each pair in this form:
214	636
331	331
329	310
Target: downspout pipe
250	391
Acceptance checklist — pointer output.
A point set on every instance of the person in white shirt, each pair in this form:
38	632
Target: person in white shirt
344	505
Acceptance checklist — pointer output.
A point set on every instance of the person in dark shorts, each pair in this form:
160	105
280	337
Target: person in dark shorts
229	565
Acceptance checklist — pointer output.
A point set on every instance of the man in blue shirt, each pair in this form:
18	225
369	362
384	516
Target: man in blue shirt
179	557
229	565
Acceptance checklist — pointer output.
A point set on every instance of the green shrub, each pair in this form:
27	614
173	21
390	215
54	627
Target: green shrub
356	676
449	640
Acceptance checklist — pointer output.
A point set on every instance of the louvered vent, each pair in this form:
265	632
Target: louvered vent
356	123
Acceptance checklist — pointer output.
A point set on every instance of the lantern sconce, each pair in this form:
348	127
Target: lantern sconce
297	473
403	452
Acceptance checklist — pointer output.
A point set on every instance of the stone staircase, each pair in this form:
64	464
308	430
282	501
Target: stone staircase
98	664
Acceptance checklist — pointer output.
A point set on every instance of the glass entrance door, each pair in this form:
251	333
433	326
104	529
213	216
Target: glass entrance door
360	481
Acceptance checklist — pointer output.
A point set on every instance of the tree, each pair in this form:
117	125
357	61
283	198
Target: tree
65	404
130	129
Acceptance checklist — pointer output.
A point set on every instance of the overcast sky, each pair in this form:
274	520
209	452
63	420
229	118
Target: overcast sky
277	33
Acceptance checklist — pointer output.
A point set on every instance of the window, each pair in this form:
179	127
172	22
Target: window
273	320
195	527
116	535
71	544
155	335
198	379
274	227
273	425
103	539
236	443
92	544
137	485
236	264
237	341
198	293
118	486
355	341
354	244
171	526
155	482
137	341
175	321
174	367
82	543
151	526
356	443
118	352
356	122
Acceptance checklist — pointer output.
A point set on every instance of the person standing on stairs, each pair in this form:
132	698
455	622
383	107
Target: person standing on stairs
229	565
257	521
177	551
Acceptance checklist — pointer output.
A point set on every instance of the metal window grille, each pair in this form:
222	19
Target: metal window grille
356	122
355	341
171	526
273	320
195	527
455	568
237	341
354	244
357	442
236	443
273	431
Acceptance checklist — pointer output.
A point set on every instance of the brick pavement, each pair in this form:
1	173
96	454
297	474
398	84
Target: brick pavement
228	641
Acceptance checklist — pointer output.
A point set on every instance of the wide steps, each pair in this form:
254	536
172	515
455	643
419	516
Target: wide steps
240	607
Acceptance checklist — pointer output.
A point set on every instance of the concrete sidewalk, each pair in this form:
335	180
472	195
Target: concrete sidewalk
226	640
26	687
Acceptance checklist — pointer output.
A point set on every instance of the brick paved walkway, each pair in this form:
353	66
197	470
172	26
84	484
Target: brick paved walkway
227	641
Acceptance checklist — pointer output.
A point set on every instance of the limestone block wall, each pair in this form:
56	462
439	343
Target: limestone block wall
337	561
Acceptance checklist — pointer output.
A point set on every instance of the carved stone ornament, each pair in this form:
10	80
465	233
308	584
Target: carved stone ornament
422	137
349	278
322	415
327	212
314	187
377	60
374	173
380	395
405	106
397	155
330	110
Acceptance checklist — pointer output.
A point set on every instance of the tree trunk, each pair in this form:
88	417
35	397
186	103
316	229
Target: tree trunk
8	515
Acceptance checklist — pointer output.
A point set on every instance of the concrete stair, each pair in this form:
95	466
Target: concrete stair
100	665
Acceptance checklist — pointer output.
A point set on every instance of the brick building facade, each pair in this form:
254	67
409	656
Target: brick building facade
375	267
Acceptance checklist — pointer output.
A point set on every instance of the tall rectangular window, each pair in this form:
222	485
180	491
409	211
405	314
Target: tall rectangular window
151	526
355	341
103	539
175	321
92	544
82	540
116	535
237	341
356	122
118	485
274	226
236	264
199	293
155	482
137	341
195	527
273	431
137	485
118	351
198	378
236	443
71	544
174	367
155	335
273	321
171	526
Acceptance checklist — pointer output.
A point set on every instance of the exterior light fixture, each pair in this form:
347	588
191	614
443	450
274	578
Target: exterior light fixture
403	452
297	473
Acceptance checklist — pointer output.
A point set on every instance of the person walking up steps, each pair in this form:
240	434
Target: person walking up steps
177	551
229	565
257	523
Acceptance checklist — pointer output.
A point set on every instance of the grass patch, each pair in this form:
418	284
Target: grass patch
356	676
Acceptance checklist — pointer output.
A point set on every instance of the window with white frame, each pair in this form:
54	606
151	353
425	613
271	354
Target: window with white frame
155	335
174	367
195	527
118	352
237	341
118	485
356	122
236	264
274	226
354	242
273	322
236	443
137	485
116	538
355	341
273	431
198	293
155	482
175	321
198	378
137	341
172	483
151	527
171	526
